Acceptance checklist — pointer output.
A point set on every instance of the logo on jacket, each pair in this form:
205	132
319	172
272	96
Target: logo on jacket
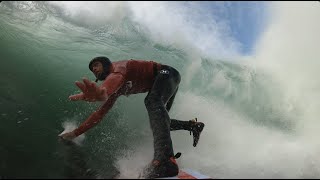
164	71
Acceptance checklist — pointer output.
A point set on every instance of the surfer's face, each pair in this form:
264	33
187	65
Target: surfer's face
97	69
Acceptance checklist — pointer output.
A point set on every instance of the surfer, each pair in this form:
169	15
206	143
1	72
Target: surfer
127	77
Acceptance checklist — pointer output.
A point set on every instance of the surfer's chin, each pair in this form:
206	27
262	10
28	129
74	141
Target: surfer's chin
101	76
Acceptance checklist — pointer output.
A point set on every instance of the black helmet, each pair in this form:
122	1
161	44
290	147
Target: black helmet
106	63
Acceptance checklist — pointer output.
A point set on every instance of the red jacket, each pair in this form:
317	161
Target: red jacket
126	77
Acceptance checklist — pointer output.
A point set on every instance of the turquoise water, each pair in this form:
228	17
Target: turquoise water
45	49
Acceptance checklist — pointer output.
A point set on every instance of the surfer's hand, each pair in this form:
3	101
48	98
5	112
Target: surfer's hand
68	136
90	92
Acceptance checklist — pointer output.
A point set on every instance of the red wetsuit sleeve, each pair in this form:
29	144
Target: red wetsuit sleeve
112	83
96	117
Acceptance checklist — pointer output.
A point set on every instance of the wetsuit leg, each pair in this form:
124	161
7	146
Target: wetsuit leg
164	87
190	125
177	124
170	102
180	125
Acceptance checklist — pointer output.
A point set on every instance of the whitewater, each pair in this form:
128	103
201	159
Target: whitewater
260	108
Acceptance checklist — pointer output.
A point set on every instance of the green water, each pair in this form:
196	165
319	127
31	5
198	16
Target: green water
42	55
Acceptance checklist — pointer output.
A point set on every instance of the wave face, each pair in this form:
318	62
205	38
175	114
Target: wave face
260	111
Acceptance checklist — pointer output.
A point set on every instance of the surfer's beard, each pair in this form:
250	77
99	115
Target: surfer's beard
101	76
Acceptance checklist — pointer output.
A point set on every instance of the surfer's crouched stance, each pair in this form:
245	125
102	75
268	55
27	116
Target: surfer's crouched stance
128	77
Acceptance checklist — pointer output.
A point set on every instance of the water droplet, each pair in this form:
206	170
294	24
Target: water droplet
19	111
3	114
26	119
19	121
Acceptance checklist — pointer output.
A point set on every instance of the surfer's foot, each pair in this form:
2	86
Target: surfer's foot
196	129
161	169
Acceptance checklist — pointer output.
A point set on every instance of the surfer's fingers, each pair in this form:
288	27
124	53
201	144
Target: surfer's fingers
76	97
88	84
81	86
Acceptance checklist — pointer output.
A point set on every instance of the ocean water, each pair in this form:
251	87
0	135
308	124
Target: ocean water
260	110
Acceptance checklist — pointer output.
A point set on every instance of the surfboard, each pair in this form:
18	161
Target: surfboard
188	174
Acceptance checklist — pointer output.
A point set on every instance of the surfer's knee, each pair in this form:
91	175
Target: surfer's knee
151	100
148	100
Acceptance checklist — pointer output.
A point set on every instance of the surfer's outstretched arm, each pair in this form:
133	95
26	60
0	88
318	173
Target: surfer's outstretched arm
92	120
96	116
91	92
